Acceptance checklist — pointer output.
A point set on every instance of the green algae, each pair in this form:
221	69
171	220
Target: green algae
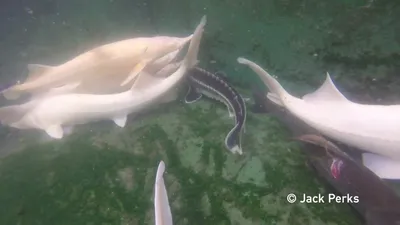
106	176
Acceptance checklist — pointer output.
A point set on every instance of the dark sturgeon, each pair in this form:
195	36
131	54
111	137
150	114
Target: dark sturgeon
378	202
216	87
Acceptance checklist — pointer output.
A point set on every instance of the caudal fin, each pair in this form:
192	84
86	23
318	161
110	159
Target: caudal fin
162	209
277	92
190	59
233	141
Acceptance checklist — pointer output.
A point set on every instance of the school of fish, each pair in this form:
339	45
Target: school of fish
127	77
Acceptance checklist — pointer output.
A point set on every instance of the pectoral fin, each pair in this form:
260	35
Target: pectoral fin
192	95
55	131
384	167
120	121
136	70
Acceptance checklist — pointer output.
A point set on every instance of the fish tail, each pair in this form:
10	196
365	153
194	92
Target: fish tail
162	208
190	59
160	172
277	92
233	141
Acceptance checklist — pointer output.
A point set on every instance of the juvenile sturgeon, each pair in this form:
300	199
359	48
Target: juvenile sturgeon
216	87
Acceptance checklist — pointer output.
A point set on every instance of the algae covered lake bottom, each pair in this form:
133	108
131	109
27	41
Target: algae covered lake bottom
105	175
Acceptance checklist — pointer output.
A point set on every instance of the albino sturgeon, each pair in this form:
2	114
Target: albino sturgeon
119	63
372	128
52	112
162	209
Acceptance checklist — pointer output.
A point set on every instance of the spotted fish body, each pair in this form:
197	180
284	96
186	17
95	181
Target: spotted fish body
216	87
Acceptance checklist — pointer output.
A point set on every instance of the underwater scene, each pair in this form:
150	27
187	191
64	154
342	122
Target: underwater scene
259	112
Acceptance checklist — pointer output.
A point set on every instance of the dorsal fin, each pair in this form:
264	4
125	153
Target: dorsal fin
36	70
327	92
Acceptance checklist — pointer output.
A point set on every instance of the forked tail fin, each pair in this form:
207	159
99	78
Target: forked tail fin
188	62
277	91
233	141
162	209
190	59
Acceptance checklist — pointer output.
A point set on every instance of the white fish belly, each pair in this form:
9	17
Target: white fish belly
371	128
78	109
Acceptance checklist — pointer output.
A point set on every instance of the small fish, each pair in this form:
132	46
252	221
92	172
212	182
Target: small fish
216	87
162	209
378	203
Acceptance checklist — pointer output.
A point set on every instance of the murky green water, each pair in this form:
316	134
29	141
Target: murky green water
107	176
103	174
